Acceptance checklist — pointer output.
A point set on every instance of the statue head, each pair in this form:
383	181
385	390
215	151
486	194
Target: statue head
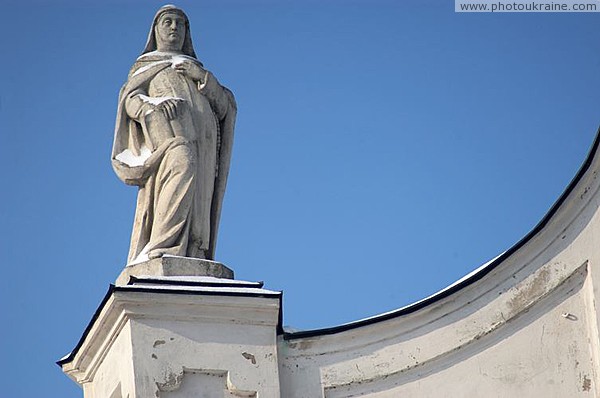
170	32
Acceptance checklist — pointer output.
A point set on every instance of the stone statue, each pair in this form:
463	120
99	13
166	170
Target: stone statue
173	139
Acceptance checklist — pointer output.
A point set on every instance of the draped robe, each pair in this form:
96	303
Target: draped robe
180	164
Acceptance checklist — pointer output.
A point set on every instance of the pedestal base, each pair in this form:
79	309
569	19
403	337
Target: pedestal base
175	266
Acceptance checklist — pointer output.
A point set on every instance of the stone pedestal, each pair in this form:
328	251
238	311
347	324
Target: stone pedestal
175	266
173	336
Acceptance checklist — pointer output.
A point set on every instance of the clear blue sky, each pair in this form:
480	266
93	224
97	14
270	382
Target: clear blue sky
383	150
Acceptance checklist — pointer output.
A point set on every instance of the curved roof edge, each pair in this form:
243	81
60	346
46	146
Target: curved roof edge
469	278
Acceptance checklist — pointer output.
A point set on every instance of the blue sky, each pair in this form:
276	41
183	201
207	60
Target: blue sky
383	150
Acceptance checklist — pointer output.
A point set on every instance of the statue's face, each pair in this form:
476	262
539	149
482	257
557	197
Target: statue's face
170	32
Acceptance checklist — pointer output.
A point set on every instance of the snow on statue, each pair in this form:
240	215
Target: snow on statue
173	139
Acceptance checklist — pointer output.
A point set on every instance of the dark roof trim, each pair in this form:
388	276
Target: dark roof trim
113	288
195	292
87	330
480	274
134	280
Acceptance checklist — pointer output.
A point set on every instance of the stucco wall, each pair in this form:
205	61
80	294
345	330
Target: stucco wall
524	325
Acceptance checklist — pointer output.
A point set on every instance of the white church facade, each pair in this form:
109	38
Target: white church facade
524	325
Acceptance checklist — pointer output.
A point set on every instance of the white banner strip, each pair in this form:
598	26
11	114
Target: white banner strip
526	6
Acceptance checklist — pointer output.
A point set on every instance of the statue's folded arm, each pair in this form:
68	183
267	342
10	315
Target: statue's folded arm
135	106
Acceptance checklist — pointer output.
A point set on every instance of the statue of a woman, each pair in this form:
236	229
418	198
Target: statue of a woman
173	139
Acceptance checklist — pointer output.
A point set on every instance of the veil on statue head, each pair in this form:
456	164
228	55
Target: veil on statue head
187	49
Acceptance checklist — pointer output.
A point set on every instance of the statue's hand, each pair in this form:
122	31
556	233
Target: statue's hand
191	69
170	107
